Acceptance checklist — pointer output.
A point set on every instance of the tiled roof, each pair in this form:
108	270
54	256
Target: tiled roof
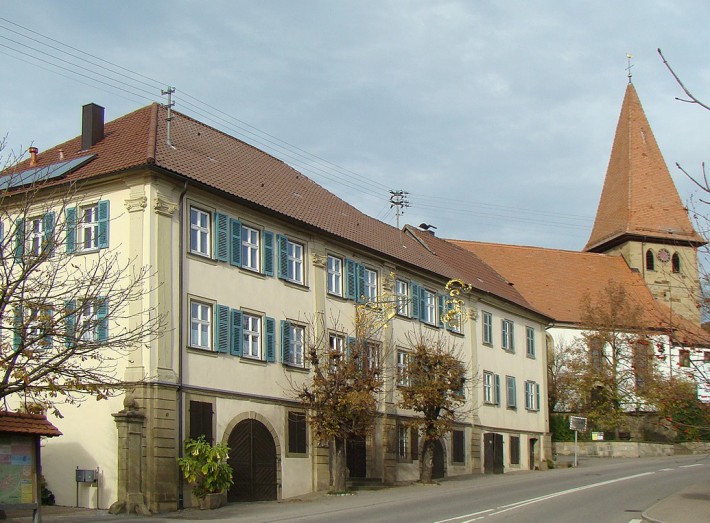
639	198
214	159
20	423
555	281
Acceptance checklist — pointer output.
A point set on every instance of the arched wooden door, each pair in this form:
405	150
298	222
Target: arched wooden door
437	469
252	456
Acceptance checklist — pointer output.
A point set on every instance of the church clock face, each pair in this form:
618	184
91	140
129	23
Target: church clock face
664	256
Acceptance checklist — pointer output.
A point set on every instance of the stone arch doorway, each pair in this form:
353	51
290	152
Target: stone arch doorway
253	458
438	469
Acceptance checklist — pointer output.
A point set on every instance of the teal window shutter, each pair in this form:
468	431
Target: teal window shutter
283	255
351	287
496	398
19	239
101	319
442	309
70	213
270	339
70	323
48	233
48	338
414	293
422	303
222	322
235	251
360	270
285	341
103	208
221	241
537	396
18	330
235	325
268	253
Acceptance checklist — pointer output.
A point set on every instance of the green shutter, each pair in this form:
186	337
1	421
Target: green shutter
282	242
20	239
537	396
414	293
270	339
496	397
101	319
221	240
103	210
70	213
222	322
442	309
268	253
70	323
360	278
285	341
18	328
235	325
48	233
351	287
235	251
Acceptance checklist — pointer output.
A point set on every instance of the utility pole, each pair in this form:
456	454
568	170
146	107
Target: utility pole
399	200
169	91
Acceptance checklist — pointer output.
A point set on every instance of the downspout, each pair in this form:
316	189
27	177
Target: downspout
181	308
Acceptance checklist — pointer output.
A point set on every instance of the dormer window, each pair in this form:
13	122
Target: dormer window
650	261
675	262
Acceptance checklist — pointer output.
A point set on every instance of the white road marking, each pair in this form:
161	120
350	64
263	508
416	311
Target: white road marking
693	465
665	470
465	516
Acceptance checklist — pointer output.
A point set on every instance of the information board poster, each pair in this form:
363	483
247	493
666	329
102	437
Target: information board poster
17	465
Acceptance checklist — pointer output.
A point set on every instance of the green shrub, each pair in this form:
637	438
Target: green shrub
205	467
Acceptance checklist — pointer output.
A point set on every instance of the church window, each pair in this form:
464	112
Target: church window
650	260
675	262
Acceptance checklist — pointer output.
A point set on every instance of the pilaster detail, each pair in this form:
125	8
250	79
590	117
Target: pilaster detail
164	207
136	204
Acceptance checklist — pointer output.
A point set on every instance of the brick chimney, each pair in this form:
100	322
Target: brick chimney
92	125
33	156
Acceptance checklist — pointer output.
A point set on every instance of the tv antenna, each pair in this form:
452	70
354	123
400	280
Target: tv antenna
399	200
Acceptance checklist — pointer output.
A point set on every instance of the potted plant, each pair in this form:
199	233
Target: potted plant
205	467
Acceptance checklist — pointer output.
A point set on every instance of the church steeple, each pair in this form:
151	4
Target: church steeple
642	218
639	199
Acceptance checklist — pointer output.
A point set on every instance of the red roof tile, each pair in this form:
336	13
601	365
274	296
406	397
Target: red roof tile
21	423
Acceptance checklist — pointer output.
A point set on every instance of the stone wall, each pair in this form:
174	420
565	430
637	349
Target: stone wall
613	449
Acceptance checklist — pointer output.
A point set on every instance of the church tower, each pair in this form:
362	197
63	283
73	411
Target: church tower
642	218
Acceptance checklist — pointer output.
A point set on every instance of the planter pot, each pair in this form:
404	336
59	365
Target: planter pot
213	501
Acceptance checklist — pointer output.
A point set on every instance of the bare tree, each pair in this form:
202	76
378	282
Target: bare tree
66	319
435	387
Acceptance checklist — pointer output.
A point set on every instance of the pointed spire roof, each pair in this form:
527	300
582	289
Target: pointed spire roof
639	199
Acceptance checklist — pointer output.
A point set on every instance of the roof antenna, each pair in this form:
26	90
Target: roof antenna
169	91
398	199
629	56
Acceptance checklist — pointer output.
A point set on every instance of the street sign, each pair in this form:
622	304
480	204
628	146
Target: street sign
577	423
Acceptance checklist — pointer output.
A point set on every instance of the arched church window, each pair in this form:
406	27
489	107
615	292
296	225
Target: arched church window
675	262
650	261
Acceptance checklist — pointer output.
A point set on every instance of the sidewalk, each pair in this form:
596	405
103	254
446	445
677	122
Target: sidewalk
690	505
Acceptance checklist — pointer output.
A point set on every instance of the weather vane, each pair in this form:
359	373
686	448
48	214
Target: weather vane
629	56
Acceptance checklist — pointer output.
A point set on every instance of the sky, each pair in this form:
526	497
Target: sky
496	117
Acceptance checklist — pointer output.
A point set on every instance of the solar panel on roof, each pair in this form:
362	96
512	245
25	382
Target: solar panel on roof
42	174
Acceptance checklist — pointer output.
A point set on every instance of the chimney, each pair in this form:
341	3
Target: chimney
33	156
92	125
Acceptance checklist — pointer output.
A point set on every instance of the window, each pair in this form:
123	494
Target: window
403	443
251	336
88	326
491	388
650	260
403	368
515	450
336	342
596	353
290	258
200	325
487	328
510	393
532	395
530	342
370	285
684	358
250	248
199	232
292	344
35	236
297	433
335	275
402	292
458	454
507	334
675	263
89	228
429	307
201	420
372	355
642	362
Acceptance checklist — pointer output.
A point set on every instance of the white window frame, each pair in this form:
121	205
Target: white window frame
511	392
530	342
87	316
507	337
403	444
370	286
203	322
487	328
403	361
335	275
88	228
297	344
488	388
35	235
294	261
402	293
200	233
251	336
530	396
429	307
251	248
